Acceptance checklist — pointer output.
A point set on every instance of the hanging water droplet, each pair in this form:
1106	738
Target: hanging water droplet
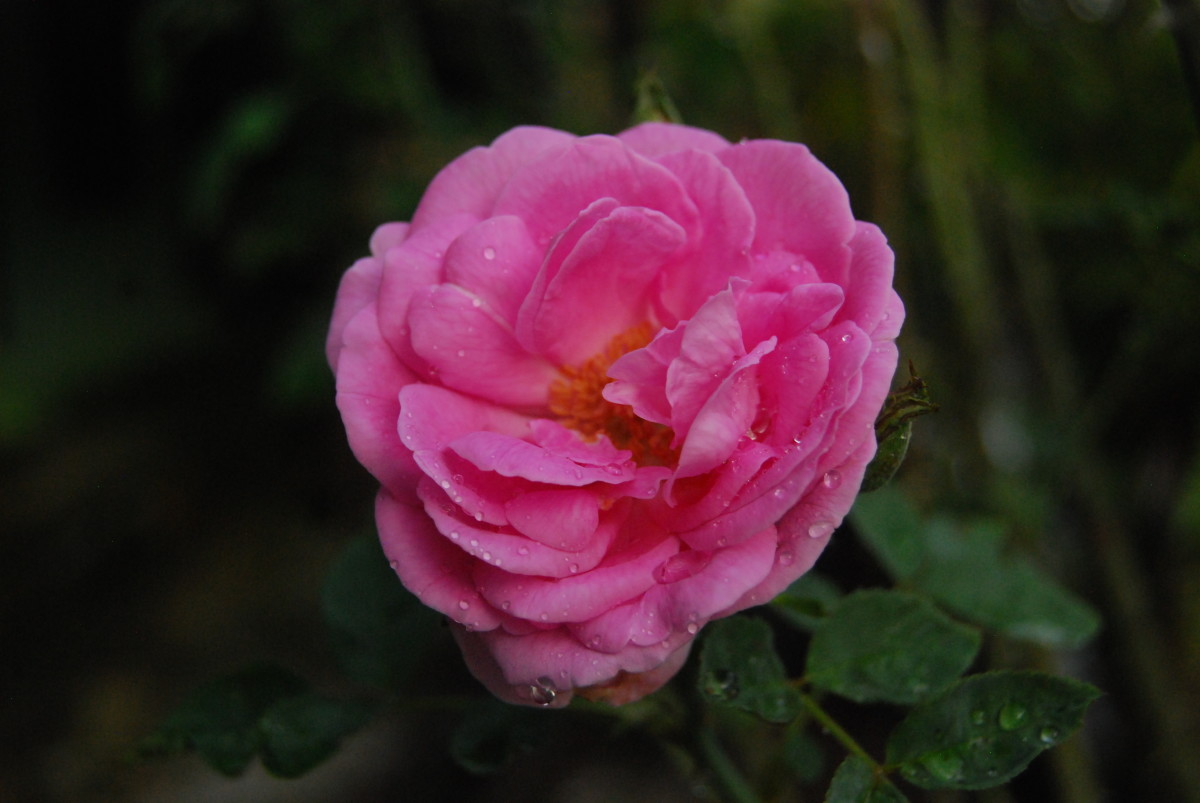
489	253
1048	734
820	529
832	479
1012	715
543	691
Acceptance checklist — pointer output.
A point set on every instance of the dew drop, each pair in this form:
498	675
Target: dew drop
523	550
820	529
489	253
1012	715
444	483
487	556
978	717
778	493
693	628
504	606
544	617
462	352
478	515
454	535
832	479
846	338
945	766
394	565
1048	734
463	605
474	542
543	691
574	568
786	557
797	440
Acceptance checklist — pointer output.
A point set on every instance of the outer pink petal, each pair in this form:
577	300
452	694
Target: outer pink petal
513	457
387	237
513	667
430	566
799	204
563	519
409	267
549	193
433	417
656	139
496	262
369	377
474	352
720	246
514	553
690	602
585	297
358	288
470	184
577	598
869	294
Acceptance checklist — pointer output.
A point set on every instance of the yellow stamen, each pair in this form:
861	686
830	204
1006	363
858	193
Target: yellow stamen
577	401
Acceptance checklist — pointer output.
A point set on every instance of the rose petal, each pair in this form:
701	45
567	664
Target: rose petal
655	139
495	261
564	519
474	352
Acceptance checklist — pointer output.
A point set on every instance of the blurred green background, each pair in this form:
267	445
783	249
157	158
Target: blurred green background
183	183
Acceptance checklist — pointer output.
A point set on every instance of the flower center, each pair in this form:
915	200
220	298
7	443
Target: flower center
578	402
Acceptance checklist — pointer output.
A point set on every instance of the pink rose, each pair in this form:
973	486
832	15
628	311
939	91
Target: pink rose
613	388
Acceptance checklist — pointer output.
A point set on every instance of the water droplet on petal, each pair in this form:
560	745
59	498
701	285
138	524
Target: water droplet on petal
832	479
574	567
478	515
693	628
474	542
504	606
523	550
444	483
786	557
489	253
454	535
462	352
463	605
1011	716
487	556
820	529
543	691
394	565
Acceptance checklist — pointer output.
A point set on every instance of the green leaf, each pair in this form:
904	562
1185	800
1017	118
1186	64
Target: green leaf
892	529
987	728
967	572
379	630
300	732
965	568
889	646
857	782
494	733
806	602
220	719
740	668
802	753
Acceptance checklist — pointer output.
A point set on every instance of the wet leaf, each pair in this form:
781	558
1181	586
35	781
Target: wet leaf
740	668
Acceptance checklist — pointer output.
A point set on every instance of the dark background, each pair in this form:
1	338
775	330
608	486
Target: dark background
183	183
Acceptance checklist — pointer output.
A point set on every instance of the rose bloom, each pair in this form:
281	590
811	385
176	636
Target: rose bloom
613	388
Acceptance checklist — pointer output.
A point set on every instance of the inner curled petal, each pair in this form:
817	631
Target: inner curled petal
577	399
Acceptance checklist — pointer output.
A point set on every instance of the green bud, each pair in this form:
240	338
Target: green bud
893	429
